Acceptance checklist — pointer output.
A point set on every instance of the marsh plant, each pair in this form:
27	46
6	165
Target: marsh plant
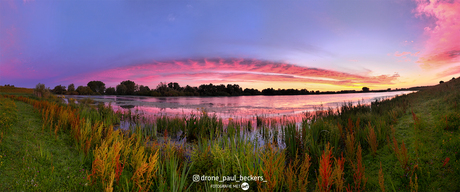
353	148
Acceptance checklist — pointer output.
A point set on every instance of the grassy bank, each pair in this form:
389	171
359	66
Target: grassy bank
409	143
34	160
15	90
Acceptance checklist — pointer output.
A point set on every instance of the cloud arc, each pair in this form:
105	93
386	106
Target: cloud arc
218	70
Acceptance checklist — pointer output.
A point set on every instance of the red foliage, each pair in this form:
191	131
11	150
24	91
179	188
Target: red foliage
446	161
325	171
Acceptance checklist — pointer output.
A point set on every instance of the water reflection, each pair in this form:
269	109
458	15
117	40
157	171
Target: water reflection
127	106
243	107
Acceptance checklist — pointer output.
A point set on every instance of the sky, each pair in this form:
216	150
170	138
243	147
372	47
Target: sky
302	44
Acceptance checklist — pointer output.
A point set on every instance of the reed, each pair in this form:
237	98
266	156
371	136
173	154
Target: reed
401	154
359	178
296	174
145	171
350	146
338	174
372	139
144	164
106	164
325	179
173	177
292	140
381	179
272	168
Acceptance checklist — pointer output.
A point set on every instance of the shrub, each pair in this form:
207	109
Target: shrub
41	91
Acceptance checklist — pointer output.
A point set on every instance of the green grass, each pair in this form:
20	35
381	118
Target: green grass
427	142
33	160
426	123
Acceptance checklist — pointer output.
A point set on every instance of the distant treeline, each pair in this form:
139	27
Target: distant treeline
174	89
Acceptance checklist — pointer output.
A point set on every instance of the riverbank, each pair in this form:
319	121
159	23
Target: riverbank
409	143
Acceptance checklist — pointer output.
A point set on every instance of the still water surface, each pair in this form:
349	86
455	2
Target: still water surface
241	107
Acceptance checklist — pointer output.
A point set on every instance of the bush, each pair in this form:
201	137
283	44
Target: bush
84	90
41	91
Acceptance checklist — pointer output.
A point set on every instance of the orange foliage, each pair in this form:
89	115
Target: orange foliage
325	170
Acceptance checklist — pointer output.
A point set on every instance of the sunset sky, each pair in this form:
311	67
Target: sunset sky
317	45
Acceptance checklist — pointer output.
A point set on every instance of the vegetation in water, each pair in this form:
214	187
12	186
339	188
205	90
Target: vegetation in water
408	143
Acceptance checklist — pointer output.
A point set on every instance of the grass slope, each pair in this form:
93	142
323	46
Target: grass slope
16	90
33	160
429	130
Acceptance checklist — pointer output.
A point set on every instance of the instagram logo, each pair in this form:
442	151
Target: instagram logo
196	178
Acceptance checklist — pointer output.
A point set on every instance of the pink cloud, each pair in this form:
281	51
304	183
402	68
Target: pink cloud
397	54
401	54
9	43
443	44
199	71
15	68
449	72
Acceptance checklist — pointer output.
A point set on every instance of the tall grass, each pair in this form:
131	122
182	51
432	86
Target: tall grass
8	112
8	116
328	148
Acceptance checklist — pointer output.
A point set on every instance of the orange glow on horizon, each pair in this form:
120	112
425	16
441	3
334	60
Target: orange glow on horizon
248	73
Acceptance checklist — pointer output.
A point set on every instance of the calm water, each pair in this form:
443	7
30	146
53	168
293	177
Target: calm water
242	107
273	109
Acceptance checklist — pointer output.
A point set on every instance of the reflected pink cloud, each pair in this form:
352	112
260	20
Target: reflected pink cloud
442	47
194	71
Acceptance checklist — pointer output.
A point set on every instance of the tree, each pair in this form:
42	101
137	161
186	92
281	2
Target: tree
189	89
144	90
251	91
97	86
268	91
84	90
234	89
41	91
71	88
131	87
121	89
59	89
174	86
162	88
365	89
110	91
441	82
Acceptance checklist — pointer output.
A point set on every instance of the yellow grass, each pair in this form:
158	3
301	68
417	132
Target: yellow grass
8	89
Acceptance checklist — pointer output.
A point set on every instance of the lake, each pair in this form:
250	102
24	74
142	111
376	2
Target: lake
238	107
